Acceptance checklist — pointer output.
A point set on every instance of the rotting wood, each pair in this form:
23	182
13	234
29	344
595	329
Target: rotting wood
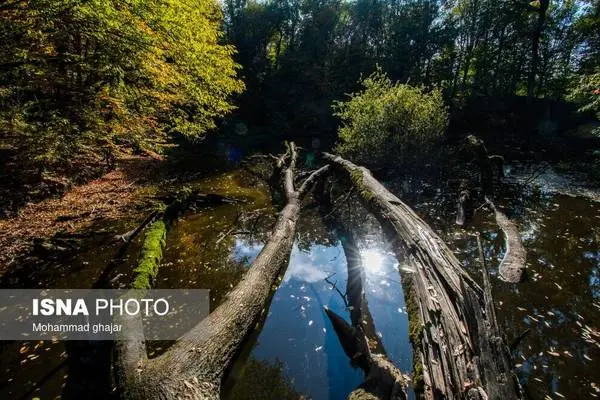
130	235
490	166
193	367
462	356
512	267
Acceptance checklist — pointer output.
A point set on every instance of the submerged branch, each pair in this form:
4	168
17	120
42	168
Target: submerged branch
512	267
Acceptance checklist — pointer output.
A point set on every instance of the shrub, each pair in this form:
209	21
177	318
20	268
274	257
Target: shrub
389	122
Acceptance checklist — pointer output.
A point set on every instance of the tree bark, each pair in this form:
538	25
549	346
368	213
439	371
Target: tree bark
194	366
462	353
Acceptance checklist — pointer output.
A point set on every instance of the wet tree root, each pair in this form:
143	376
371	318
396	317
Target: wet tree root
462	351
193	367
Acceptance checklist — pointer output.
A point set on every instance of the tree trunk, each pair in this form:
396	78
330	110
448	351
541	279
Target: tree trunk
194	366
462	352
512	266
535	47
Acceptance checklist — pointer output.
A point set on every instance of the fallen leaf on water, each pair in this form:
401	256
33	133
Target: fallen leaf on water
533	319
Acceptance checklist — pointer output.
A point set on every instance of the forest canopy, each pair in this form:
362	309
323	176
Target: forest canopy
301	55
78	76
79	79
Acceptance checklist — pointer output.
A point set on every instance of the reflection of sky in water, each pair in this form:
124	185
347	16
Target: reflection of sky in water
246	251
298	333
386	303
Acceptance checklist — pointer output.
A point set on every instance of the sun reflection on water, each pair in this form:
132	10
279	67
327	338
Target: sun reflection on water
372	260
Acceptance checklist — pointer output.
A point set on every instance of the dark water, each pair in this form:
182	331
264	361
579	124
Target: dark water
294	353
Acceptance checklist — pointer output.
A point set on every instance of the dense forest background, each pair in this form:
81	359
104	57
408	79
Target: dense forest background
82	79
299	56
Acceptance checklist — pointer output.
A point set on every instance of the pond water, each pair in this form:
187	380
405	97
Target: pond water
298	337
294	352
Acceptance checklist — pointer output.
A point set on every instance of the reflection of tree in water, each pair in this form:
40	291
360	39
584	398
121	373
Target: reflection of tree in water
212	248
262	380
311	231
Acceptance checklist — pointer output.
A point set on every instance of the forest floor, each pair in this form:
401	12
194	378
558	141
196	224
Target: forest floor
112	196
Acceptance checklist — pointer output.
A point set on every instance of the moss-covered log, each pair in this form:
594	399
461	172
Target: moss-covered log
150	256
462	353
193	367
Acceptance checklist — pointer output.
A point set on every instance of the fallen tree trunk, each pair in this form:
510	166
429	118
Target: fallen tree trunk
193	367
462	353
512	266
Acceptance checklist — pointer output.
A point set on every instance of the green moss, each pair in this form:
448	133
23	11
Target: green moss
357	177
418	381
156	240
415	331
152	252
